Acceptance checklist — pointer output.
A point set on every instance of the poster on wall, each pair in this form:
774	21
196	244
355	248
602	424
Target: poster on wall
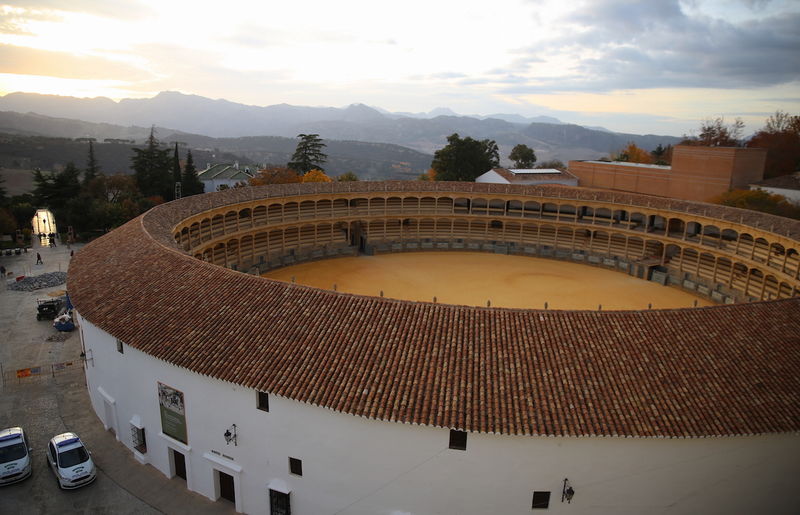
173	414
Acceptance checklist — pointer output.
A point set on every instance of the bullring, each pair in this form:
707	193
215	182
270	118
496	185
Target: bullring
621	403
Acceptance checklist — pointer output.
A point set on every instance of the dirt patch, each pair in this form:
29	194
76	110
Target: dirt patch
473	279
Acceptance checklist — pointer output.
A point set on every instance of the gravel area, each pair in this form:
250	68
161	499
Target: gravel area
37	282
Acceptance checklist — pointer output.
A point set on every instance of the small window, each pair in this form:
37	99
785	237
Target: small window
541	500
458	440
138	439
296	466
262	401
119	346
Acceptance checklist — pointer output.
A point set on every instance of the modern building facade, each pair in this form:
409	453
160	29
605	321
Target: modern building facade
277	395
696	173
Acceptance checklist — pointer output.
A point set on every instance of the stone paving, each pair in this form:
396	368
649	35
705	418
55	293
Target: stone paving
48	404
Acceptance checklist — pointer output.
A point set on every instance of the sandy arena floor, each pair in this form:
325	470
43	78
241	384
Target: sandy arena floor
472	278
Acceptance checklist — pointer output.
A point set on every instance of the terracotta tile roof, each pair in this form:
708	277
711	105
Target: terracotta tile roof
724	370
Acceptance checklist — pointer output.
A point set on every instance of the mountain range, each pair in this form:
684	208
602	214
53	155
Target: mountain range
422	132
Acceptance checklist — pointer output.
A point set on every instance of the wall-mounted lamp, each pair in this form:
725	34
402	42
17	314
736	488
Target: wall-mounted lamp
230	435
567	492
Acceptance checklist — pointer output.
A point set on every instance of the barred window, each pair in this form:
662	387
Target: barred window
138	439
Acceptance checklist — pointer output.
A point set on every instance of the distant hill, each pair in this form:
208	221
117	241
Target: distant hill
424	132
30	140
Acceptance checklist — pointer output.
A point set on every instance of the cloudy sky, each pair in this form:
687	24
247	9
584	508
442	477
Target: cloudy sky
655	66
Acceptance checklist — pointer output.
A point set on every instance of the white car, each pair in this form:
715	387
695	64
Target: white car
70	461
15	457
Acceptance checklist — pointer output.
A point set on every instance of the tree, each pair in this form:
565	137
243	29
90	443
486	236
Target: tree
662	155
7	222
782	121
3	193
190	182
781	137
315	176
347	177
151	167
715	133
553	163
308	155
54	190
274	175
464	159
92	167
23	208
523	156
633	154
759	200
176	171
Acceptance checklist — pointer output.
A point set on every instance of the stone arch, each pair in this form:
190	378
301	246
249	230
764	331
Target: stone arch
427	205
480	206
260	215
531	209
291	211
514	208
394	205
461	206
217	226
307	210
245	218
676	227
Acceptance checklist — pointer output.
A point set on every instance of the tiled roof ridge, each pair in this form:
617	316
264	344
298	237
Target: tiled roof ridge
724	370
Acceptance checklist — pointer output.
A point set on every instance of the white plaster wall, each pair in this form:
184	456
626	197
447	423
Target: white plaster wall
353	465
792	196
491	177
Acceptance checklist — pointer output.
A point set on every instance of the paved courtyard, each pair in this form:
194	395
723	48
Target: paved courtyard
50	403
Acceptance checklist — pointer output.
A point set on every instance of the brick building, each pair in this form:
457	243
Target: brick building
697	173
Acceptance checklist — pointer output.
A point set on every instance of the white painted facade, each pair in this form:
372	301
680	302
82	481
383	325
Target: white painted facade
530	177
791	195
354	465
492	177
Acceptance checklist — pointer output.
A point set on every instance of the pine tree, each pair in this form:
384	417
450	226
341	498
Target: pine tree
151	167
190	182
176	170
308	155
92	167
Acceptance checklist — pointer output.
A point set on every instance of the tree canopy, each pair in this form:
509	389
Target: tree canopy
274	175
190	182
781	137
714	132
308	155
523	156
464	159
633	154
315	176
152	169
347	177
759	200
92	166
